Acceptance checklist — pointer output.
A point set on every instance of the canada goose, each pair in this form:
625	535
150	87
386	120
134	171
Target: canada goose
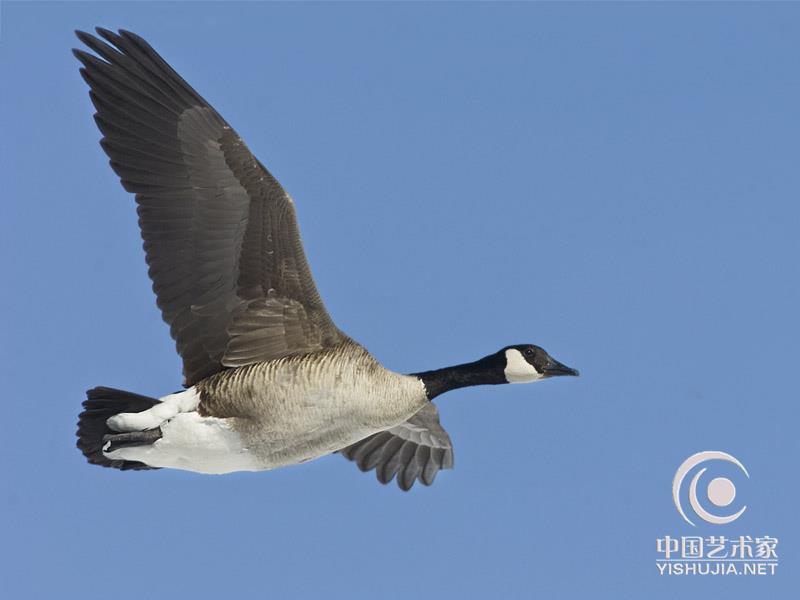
269	379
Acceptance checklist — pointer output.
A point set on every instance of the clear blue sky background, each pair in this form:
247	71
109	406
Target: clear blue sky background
618	183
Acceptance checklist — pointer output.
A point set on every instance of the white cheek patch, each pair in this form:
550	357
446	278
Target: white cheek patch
519	370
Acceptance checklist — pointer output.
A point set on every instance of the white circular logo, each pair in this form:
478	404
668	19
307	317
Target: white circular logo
720	491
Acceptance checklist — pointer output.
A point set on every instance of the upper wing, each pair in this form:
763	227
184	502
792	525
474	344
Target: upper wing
415	450
220	233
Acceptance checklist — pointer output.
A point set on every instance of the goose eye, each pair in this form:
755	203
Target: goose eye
528	351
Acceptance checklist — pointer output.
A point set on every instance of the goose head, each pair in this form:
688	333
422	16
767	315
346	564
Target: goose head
524	363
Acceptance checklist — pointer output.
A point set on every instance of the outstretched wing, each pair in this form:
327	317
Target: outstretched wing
220	233
415	450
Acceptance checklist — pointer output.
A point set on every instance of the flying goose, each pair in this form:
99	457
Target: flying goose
269	379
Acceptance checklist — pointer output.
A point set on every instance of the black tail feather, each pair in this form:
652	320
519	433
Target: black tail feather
100	404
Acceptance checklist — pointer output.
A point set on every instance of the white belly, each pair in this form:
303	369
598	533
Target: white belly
191	442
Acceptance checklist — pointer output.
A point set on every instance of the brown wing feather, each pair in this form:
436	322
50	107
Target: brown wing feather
413	451
220	233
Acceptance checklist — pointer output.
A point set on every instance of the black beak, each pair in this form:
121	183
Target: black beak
555	368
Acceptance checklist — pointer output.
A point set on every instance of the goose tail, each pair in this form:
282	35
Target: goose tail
100	404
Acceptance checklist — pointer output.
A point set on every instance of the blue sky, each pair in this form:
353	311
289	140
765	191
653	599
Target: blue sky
617	183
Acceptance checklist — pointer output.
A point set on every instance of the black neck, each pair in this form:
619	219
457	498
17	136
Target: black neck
486	371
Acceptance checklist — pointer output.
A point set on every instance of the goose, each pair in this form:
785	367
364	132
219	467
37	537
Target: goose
269	380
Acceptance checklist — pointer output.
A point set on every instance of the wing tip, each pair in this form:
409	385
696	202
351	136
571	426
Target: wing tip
106	34
89	39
